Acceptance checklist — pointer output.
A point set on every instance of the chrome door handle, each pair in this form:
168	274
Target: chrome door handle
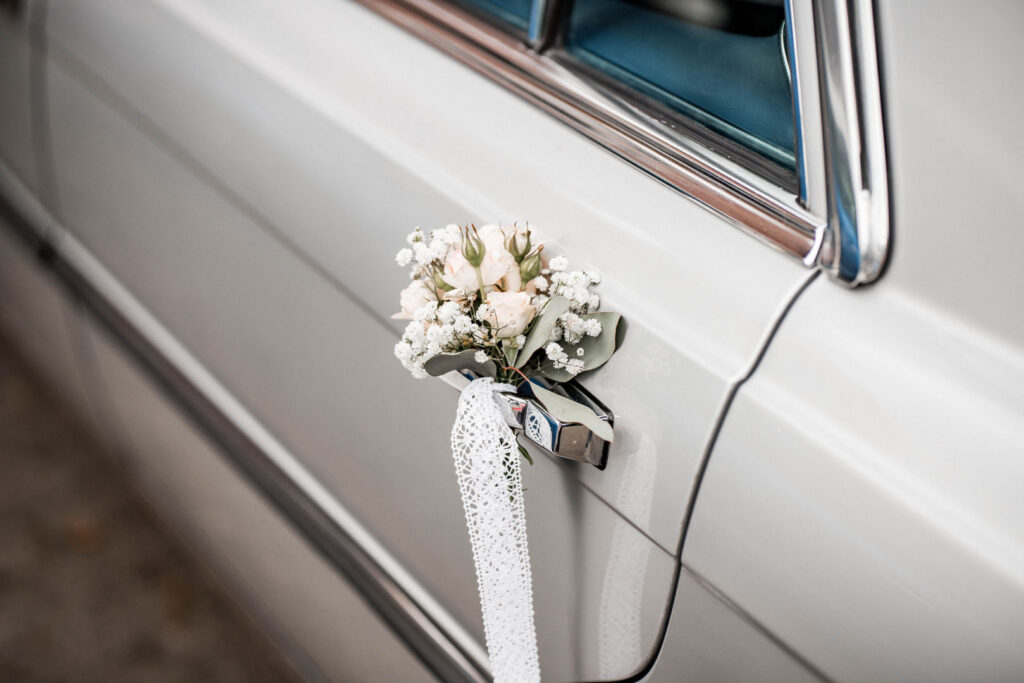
526	416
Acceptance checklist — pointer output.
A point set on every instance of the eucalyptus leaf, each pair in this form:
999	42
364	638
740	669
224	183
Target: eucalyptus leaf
596	350
464	360
549	371
542	327
567	410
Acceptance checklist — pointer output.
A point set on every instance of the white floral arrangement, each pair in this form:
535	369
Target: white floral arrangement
488	300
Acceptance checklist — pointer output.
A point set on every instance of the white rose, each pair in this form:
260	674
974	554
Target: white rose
459	273
509	313
497	264
414	297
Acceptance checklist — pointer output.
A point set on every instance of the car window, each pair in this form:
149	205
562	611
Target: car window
767	112
514	12
720	62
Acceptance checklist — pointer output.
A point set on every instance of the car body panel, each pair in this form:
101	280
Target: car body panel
245	170
220	303
874	505
710	640
863	500
312	72
238	174
319	620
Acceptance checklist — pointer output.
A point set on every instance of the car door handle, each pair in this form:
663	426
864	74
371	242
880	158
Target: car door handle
569	440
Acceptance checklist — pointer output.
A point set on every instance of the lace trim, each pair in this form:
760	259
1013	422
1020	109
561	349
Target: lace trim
490	482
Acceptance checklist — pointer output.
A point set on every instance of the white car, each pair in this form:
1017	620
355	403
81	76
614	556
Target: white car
808	213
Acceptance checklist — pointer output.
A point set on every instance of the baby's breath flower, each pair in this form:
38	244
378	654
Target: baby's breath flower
449	234
480	357
573	327
463	324
403	257
521	341
579	351
403	351
447	311
558	263
414	330
540	284
425	311
555	352
592	327
573	366
414	236
421	252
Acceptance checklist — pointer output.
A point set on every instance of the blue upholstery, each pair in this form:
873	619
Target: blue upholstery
737	85
515	12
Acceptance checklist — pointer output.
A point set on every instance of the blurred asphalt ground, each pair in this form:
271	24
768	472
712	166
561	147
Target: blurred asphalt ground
92	586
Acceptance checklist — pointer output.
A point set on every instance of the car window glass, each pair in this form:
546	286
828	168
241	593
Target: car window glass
719	62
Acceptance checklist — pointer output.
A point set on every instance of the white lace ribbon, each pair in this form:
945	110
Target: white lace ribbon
490	481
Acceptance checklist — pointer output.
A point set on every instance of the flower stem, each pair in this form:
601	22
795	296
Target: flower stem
517	370
480	283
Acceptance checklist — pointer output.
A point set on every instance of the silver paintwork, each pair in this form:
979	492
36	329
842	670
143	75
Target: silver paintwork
575	192
419	516
861	501
442	645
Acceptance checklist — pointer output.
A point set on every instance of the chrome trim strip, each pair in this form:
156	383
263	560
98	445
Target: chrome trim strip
421	623
803	60
539	32
857	239
789	48
740	196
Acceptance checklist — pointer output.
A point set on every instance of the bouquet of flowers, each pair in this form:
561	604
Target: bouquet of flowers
488	301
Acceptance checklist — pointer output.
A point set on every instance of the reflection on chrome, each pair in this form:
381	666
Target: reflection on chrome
620	648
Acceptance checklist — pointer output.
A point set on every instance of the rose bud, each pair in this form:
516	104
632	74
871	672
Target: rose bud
438	279
530	267
473	247
513	245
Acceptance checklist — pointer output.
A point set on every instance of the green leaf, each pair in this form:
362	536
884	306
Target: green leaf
596	350
542	327
509	347
526	454
446	362
567	410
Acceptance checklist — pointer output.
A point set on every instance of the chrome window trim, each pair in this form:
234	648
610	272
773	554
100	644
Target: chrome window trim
857	235
804	224
804	65
418	620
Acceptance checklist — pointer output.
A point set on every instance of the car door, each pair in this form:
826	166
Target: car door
241	173
863	500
